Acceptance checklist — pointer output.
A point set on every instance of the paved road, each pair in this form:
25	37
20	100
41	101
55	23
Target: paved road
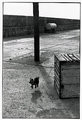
19	100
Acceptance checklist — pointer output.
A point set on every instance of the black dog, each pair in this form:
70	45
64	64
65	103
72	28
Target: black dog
34	81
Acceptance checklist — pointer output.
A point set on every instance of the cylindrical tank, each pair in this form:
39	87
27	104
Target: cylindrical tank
50	27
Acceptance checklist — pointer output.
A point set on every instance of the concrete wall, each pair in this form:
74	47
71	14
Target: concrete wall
23	25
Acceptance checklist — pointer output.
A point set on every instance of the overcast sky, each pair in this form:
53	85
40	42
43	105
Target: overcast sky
56	10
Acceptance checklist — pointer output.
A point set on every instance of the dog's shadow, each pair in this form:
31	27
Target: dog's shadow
35	95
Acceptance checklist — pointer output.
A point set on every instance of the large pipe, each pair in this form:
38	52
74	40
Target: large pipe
50	27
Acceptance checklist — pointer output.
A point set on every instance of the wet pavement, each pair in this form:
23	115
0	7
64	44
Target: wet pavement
19	99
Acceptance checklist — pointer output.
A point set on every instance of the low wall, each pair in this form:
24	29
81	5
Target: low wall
23	25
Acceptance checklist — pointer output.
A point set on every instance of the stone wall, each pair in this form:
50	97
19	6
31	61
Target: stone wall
23	25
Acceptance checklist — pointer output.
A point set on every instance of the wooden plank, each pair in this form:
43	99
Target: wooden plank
57	68
57	63
77	56
66	59
57	81
71	75
70	91
70	66
57	84
57	76
62	58
70	72
70	80
69	58
57	90
73	57
57	72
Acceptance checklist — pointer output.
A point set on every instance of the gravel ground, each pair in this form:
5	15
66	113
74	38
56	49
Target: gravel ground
19	100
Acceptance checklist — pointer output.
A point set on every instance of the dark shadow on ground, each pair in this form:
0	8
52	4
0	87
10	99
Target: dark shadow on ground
29	60
51	91
35	96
